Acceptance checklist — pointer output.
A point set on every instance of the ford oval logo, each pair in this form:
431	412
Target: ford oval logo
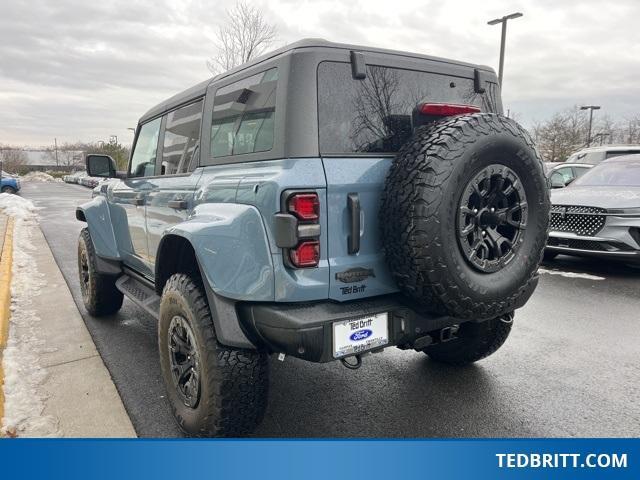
360	335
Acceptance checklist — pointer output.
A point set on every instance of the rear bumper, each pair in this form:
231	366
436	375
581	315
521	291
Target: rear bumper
306	330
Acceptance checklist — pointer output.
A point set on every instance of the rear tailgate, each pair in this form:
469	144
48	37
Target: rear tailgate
363	273
363	122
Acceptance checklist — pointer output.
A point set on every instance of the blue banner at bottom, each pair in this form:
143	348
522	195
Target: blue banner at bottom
319	459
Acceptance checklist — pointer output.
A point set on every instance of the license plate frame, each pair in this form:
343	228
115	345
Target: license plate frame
358	335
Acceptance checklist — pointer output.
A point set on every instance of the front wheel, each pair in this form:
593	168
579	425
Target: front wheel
99	293
213	390
8	189
474	342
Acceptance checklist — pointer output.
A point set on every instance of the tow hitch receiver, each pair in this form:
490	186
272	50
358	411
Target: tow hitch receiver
449	333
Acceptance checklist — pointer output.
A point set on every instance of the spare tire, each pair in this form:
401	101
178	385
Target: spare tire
465	215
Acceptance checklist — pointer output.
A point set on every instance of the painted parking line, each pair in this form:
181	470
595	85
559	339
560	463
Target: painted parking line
586	276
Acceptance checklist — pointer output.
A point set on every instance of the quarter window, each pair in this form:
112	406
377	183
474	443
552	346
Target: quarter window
143	160
181	140
243	116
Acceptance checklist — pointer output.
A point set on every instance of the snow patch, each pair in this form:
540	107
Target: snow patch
39	177
585	276
16	206
23	375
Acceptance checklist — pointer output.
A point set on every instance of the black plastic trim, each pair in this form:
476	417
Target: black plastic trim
478	81
305	330
358	66
353	206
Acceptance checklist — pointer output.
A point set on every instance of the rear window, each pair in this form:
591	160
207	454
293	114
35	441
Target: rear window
620	153
615	174
375	114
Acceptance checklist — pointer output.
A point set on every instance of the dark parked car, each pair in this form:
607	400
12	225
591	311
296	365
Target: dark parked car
323	201
599	214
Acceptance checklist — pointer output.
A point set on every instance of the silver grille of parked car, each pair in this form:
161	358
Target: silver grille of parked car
584	221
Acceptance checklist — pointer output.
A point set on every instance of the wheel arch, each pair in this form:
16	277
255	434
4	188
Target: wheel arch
175	255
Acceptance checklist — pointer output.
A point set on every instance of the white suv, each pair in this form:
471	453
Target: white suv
595	155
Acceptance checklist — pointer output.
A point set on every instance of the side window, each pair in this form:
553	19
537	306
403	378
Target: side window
566	173
181	140
243	115
143	160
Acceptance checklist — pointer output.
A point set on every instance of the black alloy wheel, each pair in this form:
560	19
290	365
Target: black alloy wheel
492	218
183	360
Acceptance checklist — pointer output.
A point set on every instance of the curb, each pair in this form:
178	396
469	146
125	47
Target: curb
6	260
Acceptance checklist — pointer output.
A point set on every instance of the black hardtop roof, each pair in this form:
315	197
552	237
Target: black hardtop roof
201	88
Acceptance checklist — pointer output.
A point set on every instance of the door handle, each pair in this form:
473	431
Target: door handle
138	200
353	206
178	204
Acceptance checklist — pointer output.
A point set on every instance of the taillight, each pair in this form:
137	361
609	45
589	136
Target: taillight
306	254
297	229
305	206
446	109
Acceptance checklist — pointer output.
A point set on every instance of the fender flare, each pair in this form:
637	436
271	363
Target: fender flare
231	246
232	252
97	215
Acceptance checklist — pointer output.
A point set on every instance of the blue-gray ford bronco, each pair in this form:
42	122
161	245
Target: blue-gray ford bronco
323	201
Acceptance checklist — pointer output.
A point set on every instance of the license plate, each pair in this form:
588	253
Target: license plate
360	334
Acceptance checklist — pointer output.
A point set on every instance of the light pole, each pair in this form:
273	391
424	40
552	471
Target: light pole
503	21
591	108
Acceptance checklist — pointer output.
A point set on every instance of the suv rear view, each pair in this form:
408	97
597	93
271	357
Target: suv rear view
324	201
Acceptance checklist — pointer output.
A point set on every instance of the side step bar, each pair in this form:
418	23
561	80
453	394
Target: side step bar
140	293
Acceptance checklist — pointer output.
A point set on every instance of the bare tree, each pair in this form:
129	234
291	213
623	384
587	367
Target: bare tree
12	158
561	135
68	155
245	35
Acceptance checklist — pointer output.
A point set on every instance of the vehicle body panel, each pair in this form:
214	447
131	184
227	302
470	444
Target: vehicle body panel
132	239
364	177
232	249
160	216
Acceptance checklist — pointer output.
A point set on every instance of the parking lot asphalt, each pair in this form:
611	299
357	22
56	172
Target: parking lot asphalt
570	367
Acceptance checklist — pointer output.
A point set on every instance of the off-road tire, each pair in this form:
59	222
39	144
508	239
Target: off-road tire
234	382
9	189
99	293
474	342
420	207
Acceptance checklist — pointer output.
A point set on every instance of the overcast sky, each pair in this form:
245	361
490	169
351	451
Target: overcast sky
84	70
